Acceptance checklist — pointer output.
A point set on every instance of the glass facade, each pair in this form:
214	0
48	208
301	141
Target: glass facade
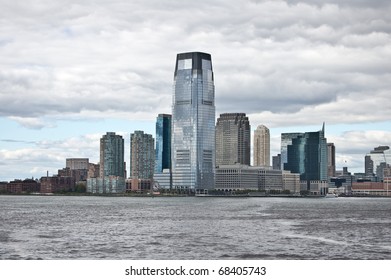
163	143
286	140
112	155
306	154
193	122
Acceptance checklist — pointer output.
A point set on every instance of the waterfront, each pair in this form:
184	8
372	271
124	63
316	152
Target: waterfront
88	227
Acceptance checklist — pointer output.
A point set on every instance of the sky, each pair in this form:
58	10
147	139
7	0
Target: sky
70	71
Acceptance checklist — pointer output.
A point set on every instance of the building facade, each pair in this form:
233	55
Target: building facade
193	123
307	155
256	178
112	155
163	143
232	139
276	161
330	160
76	168
286	140
56	184
106	185
261	144
142	155
77	163
22	186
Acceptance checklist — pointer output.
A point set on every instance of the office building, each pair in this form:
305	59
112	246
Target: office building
142	155
193	123
276	162
261	151
307	155
112	155
236	177
163	143
330	160
232	139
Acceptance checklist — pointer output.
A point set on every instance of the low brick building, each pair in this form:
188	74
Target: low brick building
22	186
57	184
370	188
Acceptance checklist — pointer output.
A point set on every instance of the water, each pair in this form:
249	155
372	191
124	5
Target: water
61	227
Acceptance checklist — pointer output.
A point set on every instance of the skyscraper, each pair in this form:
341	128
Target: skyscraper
142	155
276	162
112	155
163	143
232	139
261	144
286	140
193	122
307	155
330	159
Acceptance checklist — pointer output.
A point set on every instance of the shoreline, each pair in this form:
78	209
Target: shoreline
130	195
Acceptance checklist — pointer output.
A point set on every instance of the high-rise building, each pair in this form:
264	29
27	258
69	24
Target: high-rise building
286	140
112	155
330	159
232	139
307	155
193	123
276	161
261	144
163	143
142	155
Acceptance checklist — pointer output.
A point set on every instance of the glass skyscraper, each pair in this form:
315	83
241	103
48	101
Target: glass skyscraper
306	154
163	143
193	123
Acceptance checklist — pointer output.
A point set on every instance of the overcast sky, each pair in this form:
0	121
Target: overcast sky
72	70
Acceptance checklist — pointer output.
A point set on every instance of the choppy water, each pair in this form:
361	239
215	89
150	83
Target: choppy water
37	227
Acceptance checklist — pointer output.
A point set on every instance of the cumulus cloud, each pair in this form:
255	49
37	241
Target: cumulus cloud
46	155
70	57
284	63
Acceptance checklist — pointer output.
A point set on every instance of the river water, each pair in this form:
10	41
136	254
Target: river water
118	228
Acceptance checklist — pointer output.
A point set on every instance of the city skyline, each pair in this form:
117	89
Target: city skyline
70	72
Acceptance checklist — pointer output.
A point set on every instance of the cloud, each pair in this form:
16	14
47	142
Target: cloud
16	141
277	56
46	155
283	63
32	123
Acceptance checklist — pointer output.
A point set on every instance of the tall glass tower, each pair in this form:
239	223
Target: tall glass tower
307	155
193	123
163	143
